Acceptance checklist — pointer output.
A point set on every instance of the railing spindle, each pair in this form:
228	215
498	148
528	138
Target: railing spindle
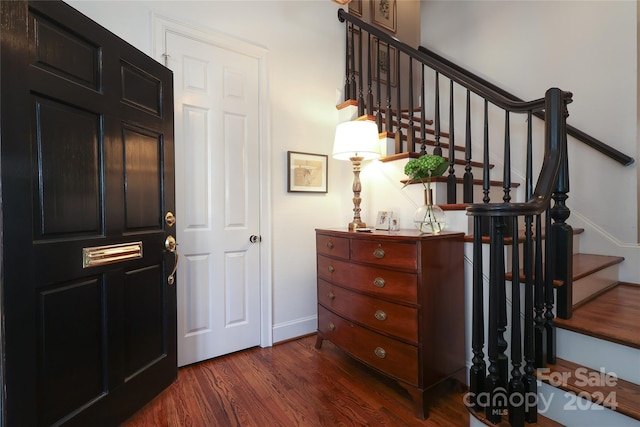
423	120
485	166
516	386
549	268
437	150
506	175
477	373
388	114
467	187
451	179
398	139
411	135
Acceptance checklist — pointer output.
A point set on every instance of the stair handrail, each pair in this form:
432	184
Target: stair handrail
580	135
452	73
483	88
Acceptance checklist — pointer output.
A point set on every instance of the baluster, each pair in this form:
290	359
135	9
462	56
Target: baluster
388	115
516	386
369	77
507	159
539	298
468	176
411	135
423	120
529	380
347	62
361	104
451	179
478	368
436	120
485	166
398	141
378	87
549	268
495	381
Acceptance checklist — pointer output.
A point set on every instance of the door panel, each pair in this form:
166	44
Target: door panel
87	162
217	163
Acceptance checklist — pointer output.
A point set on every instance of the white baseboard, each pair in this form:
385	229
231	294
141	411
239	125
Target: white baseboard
295	328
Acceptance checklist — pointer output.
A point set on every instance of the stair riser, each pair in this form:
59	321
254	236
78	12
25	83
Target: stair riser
594	283
596	353
570	410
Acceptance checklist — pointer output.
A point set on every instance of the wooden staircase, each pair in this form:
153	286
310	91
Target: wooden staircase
605	310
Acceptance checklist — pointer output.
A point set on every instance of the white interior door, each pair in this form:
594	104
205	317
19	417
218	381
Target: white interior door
217	197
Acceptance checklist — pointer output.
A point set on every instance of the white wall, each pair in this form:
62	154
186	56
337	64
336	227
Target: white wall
305	42
586	47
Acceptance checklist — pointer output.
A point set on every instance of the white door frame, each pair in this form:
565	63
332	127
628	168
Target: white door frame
160	27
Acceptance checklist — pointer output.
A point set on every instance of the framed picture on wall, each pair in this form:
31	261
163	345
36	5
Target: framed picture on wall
383	13
307	172
384	63
355	7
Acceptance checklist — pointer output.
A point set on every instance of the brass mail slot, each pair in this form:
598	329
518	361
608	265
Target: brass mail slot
101	255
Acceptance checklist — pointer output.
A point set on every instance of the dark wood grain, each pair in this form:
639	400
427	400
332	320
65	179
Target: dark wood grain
291	384
612	316
611	392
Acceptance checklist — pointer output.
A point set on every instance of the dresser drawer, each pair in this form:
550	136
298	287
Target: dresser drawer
392	357
380	282
332	246
386	317
392	254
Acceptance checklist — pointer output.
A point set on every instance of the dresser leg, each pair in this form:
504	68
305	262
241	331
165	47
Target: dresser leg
319	340
419	398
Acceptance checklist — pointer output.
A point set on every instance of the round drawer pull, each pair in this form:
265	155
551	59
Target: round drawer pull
379	253
379	282
380	315
331	296
331	269
330	245
332	327
379	351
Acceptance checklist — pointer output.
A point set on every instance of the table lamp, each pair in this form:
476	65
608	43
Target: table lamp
356	141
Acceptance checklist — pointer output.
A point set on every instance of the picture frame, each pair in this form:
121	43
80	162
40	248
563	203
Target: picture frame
307	172
383	14
379	56
355	7
384	219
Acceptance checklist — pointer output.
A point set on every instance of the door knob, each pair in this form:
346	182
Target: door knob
254	238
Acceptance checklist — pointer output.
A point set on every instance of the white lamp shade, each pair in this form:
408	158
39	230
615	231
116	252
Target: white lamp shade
358	138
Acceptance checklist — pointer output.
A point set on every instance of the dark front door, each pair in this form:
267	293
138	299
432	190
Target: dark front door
87	180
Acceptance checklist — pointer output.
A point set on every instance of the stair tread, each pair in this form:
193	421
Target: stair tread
414	155
585	264
611	316
607	390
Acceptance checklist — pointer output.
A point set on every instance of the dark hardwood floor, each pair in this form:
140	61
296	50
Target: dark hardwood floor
291	384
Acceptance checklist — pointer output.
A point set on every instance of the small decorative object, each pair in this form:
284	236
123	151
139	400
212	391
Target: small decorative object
428	218
383	13
394	225
307	172
384	220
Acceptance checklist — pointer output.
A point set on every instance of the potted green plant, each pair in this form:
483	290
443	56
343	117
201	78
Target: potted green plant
429	217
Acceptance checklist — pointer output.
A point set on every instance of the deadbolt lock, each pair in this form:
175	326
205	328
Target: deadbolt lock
170	219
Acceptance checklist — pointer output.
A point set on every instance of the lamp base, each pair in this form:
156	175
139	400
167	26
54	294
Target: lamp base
358	224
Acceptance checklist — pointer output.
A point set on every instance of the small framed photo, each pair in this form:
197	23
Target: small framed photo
355	7
384	62
384	220
383	13
307	172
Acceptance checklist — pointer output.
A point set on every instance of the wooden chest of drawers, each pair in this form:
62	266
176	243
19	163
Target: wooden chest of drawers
395	301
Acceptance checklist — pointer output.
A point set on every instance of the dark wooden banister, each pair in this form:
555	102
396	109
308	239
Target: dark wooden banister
581	136
452	73
489	373
539	201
